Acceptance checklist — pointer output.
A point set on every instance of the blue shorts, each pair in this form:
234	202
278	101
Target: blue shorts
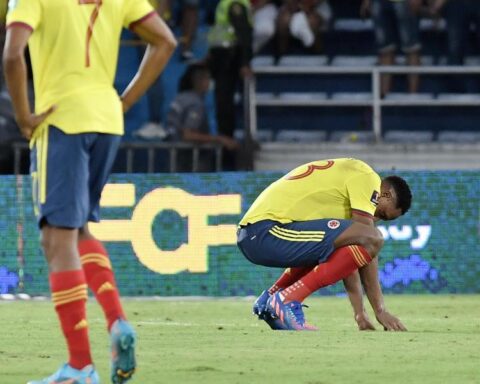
392	19
297	244
68	175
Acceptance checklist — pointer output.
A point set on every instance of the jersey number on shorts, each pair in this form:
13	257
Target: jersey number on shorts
310	169
91	24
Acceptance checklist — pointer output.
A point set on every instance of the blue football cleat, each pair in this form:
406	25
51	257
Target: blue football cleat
123	340
68	375
260	305
290	315
260	310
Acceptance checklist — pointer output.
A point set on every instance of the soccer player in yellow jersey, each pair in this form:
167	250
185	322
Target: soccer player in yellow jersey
74	135
318	221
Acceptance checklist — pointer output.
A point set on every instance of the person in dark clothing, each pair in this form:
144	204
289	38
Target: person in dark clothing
187	119
230	53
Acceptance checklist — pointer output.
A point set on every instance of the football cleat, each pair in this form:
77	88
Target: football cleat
260	305
260	310
123	340
68	375
290	315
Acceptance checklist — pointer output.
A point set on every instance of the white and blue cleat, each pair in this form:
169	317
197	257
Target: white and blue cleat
123	341
68	375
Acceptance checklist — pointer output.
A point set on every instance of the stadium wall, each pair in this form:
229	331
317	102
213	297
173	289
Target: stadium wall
174	235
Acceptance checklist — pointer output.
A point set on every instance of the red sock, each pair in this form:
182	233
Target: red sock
100	278
341	263
69	294
288	277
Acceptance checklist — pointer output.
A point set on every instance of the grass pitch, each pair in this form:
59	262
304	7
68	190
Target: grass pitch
218	341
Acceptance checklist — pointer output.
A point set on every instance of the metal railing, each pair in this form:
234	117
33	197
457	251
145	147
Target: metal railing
376	102
172	148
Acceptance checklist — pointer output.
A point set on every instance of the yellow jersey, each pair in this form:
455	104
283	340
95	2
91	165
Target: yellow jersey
74	49
318	190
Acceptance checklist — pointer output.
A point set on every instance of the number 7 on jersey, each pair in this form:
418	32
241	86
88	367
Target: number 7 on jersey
91	24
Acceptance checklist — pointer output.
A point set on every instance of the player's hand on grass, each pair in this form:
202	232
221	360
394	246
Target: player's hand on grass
29	123
390	322
363	322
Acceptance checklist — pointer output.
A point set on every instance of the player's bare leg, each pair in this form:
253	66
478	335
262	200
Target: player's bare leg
69	294
101	280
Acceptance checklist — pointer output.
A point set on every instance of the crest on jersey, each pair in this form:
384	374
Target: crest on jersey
333	224
12	4
374	198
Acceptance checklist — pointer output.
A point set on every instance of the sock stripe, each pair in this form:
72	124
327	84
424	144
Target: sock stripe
70	299
96	258
68	292
360	253
355	256
359	259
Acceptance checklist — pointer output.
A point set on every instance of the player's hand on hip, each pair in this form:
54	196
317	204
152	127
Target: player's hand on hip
29	123
390	322
363	322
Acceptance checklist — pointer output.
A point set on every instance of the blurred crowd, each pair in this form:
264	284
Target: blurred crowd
240	29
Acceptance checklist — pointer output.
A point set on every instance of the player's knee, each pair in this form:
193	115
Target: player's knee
372	242
375	242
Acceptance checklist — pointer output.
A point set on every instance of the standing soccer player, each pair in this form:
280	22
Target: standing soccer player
318	222
74	135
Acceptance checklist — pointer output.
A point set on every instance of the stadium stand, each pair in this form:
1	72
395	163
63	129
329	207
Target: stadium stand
333	97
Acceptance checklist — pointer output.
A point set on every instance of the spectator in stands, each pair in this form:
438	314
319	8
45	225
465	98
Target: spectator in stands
459	15
265	14
187	118
188	23
303	20
230	53
392	18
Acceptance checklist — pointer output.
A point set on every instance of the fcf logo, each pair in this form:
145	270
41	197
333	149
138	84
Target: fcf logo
191	256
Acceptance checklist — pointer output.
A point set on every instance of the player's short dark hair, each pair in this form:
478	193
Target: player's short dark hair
187	80
402	190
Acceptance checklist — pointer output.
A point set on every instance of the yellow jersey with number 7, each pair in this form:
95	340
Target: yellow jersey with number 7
321	189
74	49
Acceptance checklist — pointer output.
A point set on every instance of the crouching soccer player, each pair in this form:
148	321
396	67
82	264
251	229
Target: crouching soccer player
74	48
318	222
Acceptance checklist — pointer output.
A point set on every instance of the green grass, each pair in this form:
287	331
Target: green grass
220	342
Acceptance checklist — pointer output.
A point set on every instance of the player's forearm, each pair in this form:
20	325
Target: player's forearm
198	137
15	70
153	63
353	286
373	290
161	45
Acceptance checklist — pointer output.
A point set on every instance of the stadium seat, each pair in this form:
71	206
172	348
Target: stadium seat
457	137
263	135
302	61
300	136
354	61
473	61
352	137
353	25
459	97
404	137
262	61
294	96
396	96
432	25
355	96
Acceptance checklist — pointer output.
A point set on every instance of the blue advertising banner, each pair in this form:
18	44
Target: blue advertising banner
175	234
